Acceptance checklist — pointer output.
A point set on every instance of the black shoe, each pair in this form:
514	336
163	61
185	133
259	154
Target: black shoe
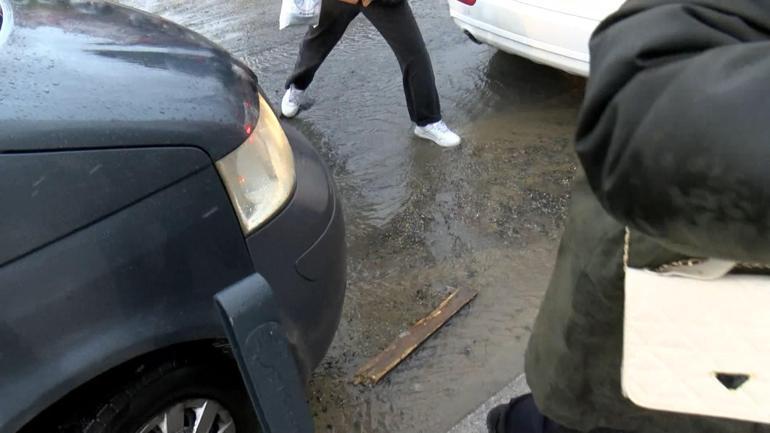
496	419
520	415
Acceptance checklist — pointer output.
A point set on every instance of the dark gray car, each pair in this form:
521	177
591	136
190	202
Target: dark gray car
142	173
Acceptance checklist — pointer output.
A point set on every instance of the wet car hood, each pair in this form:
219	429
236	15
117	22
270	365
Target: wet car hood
78	75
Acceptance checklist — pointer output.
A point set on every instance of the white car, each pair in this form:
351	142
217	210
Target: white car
553	32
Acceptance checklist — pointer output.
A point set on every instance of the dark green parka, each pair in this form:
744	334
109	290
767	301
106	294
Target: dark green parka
674	139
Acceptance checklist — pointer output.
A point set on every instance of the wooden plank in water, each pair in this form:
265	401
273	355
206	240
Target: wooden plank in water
379	366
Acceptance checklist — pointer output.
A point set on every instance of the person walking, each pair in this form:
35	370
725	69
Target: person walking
395	22
674	144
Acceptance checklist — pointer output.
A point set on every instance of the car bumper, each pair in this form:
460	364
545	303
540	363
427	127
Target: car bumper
302	255
543	35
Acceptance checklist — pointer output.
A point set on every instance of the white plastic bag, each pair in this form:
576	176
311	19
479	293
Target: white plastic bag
299	12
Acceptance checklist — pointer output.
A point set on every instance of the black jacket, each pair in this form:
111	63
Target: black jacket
675	130
674	138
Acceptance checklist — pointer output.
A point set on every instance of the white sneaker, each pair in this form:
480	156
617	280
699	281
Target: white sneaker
438	133
291	102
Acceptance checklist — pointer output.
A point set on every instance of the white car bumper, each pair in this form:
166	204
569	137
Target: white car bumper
543	35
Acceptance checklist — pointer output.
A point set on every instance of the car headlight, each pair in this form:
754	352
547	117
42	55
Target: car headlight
259	174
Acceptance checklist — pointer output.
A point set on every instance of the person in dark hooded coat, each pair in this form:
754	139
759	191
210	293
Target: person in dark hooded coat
674	143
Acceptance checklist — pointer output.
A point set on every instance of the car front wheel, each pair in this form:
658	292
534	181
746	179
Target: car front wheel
180	396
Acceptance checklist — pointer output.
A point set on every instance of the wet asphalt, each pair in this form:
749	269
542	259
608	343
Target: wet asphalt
422	219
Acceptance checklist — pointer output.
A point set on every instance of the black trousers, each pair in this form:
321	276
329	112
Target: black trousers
399	28
523	416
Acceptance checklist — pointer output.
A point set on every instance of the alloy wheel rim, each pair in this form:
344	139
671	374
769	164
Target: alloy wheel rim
191	416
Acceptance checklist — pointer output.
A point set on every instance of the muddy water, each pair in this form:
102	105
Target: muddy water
420	219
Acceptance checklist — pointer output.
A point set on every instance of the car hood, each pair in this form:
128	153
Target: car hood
80	75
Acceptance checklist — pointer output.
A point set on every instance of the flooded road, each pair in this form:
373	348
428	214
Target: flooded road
487	215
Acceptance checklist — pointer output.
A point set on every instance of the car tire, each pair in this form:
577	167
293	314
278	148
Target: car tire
179	396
